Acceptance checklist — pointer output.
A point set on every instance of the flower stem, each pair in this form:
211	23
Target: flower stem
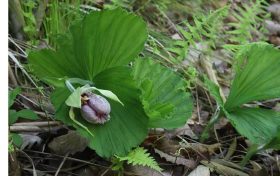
213	120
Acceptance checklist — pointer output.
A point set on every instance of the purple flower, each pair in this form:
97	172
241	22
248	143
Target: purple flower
95	108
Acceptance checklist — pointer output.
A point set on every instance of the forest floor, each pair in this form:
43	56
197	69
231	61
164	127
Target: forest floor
48	147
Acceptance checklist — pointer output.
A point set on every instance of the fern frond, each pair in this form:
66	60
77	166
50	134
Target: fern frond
163	47
249	21
140	156
204	27
127	4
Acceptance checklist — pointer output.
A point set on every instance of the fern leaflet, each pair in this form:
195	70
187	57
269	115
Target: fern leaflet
249	18
205	26
140	156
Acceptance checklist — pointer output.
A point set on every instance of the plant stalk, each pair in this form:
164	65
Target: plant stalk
251	151
213	120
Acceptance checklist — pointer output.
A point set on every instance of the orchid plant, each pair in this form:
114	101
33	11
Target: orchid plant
104	89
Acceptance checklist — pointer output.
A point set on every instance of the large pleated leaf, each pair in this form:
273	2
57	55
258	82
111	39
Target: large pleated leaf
258	125
96	50
100	41
257	75
164	95
128	125
58	98
274	143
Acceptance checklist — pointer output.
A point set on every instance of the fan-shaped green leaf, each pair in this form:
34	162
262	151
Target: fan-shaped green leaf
257	75
274	143
165	99
258	125
127	127
100	41
91	51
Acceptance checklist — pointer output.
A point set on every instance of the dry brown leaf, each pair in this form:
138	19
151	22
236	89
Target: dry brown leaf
231	149
201	148
185	130
200	171
227	163
222	122
176	159
257	169
142	170
222	169
167	145
70	143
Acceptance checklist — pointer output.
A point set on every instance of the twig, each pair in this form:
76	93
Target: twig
12	40
12	77
39	124
70	158
197	105
186	144
87	7
61	164
21	44
106	171
34	128
159	55
31	161
14	59
172	25
45	115
216	135
209	100
160	45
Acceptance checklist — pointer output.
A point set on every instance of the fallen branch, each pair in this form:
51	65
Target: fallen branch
36	126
